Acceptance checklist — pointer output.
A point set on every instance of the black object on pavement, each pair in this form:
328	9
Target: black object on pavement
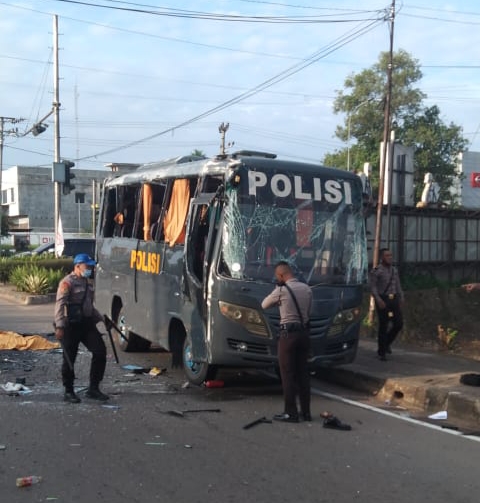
181	413
257	422
335	424
470	379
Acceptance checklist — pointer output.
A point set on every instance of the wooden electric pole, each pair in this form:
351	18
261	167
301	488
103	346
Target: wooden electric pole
383	160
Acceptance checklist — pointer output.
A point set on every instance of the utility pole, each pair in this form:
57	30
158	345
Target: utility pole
94	207
386	136
3	132
56	116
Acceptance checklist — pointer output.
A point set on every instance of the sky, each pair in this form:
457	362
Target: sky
143	81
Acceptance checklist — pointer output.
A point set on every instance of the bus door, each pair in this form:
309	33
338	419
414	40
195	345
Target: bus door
198	257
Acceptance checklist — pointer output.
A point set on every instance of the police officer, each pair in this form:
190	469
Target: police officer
294	299
75	322
388	294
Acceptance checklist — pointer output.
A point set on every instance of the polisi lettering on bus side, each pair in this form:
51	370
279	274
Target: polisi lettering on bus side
145	261
282	185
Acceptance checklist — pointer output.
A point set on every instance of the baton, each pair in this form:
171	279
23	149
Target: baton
65	355
109	331
112	324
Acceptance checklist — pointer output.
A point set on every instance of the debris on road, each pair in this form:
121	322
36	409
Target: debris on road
214	384
155	371
335	424
28	481
181	413
21	389
257	422
470	379
439	415
136	369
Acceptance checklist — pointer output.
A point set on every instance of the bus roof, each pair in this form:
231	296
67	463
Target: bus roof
189	166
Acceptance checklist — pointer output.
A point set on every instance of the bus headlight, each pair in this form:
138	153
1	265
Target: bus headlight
249	318
342	320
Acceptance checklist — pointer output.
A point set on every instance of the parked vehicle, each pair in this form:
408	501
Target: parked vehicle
73	246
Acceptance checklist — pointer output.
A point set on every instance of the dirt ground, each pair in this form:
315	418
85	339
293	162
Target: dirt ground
439	320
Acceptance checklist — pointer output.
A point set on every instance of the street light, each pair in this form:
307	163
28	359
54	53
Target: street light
348	127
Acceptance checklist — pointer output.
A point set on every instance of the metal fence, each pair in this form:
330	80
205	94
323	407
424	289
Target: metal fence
443	243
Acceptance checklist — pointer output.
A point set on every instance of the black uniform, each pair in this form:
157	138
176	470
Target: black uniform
385	285
75	313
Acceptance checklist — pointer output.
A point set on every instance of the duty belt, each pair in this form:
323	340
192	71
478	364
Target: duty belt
291	327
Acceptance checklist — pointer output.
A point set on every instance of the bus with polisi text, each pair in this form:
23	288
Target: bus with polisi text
186	250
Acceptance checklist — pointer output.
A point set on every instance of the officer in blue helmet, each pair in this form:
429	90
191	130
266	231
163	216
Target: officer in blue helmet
75	322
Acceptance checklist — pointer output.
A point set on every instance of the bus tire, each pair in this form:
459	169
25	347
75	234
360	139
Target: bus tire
129	341
196	372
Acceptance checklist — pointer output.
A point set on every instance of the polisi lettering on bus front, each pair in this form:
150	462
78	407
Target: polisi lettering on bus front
145	261
283	185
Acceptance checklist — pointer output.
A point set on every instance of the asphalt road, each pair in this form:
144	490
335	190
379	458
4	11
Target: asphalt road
134	450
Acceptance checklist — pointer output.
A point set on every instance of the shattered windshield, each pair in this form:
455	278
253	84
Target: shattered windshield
321	236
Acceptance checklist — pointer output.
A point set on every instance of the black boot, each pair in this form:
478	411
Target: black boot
95	394
70	396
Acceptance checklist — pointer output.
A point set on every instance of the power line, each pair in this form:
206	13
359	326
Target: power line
181	13
334	46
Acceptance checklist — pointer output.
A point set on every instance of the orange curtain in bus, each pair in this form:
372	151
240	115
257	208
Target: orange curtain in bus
147	210
174	221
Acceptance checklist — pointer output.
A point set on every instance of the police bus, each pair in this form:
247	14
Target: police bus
186	250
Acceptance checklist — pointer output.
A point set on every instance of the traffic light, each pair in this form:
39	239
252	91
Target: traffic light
67	186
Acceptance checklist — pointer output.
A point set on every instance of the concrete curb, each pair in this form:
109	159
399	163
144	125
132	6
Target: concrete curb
10	293
39	299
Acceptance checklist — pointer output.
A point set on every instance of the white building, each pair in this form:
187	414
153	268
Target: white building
27	198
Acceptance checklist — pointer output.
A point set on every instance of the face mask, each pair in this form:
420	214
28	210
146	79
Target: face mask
86	273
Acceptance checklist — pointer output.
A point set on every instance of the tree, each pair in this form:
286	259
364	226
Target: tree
362	101
436	149
198	153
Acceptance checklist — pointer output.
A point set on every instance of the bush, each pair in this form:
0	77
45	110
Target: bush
34	279
7	265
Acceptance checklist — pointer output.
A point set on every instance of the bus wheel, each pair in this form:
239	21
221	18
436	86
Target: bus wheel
196	372
129	341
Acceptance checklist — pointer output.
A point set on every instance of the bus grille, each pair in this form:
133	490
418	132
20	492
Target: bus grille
251	347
